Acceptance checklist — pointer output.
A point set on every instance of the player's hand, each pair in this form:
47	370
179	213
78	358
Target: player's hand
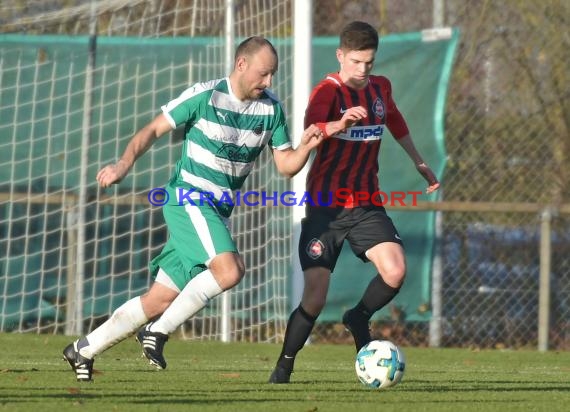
111	174
429	176
352	116
312	137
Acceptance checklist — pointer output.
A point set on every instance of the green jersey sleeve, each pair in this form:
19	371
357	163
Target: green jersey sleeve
280	139
188	107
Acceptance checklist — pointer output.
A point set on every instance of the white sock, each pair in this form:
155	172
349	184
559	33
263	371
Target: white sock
124	321
190	301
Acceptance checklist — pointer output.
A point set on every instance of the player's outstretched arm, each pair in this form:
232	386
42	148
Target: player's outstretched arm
289	162
137	146
407	143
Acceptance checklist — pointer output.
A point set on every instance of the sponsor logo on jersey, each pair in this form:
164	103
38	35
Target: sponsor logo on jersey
221	115
228	138
362	133
315	248
235	153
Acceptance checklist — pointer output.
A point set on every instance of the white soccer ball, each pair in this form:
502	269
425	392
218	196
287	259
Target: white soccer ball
380	364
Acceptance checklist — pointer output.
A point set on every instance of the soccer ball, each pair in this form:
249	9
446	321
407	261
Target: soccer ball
380	364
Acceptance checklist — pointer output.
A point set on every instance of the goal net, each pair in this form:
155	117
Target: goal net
70	252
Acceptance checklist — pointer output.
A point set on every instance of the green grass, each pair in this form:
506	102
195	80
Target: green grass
232	377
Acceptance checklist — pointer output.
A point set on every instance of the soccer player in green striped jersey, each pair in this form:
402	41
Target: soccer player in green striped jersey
227	123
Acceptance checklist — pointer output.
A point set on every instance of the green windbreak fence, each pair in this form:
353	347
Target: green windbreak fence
419	71
42	90
43	86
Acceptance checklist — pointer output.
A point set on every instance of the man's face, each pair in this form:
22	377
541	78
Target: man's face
355	66
256	73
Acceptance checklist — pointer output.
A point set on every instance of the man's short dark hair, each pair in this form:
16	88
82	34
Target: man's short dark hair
252	45
358	35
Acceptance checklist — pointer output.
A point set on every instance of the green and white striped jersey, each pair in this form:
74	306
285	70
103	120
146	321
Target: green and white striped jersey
223	137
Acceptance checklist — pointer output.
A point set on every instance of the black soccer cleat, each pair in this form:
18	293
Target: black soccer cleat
358	326
82	366
280	375
152	344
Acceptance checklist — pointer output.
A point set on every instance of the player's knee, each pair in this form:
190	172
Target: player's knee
394	275
314	305
237	274
313	300
228	270
231	277
239	271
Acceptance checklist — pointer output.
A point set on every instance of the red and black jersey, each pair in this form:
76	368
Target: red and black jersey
348	161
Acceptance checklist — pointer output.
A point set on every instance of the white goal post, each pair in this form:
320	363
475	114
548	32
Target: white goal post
77	79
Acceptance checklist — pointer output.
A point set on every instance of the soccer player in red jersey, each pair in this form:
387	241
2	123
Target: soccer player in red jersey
352	108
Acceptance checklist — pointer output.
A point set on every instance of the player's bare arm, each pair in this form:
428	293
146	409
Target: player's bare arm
289	162
137	146
408	144
350	117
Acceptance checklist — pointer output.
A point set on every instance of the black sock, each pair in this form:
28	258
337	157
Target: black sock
299	328
377	295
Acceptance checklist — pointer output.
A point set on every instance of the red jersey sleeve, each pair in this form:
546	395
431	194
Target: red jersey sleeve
394	119
321	101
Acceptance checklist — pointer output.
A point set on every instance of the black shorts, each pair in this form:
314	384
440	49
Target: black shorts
324	230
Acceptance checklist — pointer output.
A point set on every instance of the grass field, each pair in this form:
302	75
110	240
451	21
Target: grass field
232	377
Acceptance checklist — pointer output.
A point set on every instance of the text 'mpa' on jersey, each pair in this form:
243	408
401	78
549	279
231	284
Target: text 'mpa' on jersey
223	137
